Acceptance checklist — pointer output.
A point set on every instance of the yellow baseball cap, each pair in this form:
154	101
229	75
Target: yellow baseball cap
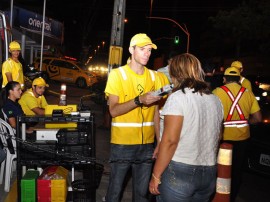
237	64
39	82
141	40
14	45
232	71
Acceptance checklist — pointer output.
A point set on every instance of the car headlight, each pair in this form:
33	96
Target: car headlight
264	86
264	94
258	98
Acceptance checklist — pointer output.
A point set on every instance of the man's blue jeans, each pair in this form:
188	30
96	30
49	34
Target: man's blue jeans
187	183
124	157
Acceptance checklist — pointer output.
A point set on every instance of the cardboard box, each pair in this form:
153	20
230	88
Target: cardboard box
28	186
51	189
66	110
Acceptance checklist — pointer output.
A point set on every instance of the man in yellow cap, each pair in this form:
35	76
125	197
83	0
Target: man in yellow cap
33	101
12	69
240	109
133	108
243	81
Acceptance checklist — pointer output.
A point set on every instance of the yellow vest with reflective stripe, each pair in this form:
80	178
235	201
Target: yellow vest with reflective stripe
246	83
248	105
136	126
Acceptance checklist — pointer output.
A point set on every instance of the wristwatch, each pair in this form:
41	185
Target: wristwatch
137	101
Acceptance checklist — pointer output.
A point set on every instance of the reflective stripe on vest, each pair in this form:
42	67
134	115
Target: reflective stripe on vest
235	123
152	75
242	79
125	76
123	73
132	124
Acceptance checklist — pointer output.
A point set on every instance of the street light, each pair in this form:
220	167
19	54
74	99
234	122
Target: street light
185	30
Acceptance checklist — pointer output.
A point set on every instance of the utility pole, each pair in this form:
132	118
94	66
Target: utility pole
116	49
117	34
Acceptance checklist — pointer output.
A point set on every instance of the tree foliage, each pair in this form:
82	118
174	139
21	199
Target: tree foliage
247	27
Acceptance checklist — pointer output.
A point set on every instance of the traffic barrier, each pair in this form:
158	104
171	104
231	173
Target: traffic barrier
63	95
223	185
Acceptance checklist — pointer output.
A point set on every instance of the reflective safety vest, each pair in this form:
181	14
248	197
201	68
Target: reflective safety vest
235	123
124	75
136	126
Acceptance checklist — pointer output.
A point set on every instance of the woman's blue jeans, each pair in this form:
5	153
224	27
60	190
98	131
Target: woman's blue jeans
187	183
139	159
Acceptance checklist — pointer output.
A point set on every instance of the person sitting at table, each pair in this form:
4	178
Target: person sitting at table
33	101
11	108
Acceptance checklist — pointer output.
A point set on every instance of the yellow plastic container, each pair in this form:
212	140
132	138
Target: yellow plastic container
66	110
53	189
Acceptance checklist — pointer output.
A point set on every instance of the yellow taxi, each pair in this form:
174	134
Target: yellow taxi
66	71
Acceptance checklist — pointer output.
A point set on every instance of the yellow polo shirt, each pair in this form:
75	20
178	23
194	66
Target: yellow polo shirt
28	102
16	70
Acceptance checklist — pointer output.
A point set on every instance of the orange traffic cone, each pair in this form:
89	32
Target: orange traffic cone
223	187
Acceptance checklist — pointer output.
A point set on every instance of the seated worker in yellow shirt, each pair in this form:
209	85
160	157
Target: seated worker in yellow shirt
33	101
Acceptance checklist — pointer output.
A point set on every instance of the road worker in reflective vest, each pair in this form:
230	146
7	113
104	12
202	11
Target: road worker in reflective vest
133	108
243	81
240	109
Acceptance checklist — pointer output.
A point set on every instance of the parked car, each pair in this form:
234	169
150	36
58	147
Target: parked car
258	158
67	71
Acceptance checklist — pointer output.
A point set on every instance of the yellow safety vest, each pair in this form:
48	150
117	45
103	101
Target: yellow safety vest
136	126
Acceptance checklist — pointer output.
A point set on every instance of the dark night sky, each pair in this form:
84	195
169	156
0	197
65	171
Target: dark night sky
192	13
